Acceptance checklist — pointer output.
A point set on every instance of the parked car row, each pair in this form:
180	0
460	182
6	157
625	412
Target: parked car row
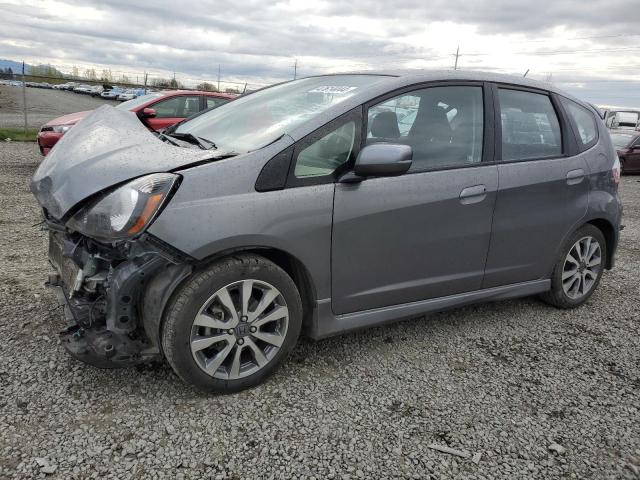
156	110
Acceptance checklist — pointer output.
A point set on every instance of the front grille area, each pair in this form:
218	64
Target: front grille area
67	269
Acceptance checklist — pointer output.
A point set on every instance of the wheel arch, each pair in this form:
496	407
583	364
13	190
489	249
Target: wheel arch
163	288
607	229
292	265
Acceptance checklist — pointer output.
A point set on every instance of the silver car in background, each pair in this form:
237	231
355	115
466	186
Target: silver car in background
322	205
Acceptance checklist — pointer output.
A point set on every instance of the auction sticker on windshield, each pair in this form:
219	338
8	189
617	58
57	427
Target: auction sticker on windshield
332	89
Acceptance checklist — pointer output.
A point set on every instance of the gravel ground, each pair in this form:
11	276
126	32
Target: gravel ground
527	390
42	105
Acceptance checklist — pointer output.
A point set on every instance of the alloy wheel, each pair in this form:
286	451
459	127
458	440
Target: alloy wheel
239	329
581	267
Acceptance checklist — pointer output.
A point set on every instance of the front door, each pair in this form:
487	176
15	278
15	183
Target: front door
424	234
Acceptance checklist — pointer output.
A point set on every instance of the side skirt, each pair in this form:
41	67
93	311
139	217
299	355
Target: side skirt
326	324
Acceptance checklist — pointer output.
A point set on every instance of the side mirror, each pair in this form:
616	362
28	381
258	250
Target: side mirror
148	113
383	160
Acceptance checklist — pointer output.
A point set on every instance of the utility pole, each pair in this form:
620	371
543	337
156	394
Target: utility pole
24	99
455	66
218	77
295	69
145	81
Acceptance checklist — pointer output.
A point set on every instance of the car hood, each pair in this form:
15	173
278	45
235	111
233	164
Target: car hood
70	119
108	147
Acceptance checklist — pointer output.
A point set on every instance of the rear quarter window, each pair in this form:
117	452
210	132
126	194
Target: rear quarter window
584	124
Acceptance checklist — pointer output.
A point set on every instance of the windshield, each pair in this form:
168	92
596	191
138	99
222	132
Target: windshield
621	140
251	122
129	104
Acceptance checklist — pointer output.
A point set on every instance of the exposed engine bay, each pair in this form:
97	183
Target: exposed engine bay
102	288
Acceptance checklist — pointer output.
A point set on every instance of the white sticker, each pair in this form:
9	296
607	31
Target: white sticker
337	89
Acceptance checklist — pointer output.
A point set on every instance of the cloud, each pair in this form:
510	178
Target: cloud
257	41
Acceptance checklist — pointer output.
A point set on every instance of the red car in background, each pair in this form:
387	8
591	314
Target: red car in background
627	144
156	110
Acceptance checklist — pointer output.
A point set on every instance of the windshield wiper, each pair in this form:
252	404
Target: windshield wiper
203	143
166	138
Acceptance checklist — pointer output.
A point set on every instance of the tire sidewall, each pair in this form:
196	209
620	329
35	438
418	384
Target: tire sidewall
196	291
584	231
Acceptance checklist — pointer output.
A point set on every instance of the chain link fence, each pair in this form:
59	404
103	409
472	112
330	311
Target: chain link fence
30	99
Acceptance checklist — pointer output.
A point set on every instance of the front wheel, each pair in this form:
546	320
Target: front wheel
579	268
231	325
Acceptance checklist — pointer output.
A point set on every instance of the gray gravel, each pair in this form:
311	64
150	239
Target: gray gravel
511	390
42	105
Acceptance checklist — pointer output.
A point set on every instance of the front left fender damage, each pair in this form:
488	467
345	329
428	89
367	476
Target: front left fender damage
113	296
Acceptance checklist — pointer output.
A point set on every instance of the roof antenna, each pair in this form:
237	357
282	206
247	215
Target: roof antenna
525	73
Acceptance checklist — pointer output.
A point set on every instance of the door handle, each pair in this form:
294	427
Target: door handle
575	176
474	194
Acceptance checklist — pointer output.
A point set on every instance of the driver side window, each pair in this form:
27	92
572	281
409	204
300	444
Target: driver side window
325	155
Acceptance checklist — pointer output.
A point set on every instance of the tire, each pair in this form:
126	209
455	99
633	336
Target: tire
568	293
200	313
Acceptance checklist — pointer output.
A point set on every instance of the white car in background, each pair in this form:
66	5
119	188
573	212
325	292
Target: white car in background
96	90
126	95
82	89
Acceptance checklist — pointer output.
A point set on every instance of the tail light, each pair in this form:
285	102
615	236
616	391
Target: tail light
615	171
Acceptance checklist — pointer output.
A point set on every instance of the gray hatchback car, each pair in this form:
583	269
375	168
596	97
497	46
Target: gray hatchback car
325	204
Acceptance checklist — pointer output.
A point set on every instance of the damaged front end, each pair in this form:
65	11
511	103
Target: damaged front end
103	290
107	269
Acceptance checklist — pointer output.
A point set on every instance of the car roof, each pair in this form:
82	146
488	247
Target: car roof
408	77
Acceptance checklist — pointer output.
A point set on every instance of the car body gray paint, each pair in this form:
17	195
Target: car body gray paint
386	231
217	209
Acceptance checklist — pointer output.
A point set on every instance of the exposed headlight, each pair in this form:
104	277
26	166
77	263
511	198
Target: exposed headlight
61	128
126	211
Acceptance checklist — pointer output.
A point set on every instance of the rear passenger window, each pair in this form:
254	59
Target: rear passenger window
443	125
584	122
530	127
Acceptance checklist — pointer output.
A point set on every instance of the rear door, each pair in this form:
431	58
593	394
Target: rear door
424	234
172	110
543	190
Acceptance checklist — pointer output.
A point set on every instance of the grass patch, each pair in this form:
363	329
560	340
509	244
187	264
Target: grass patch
18	134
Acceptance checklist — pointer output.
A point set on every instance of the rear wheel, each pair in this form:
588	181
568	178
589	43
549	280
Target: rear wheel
231	325
579	268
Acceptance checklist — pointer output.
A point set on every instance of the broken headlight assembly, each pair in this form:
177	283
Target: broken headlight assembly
126	211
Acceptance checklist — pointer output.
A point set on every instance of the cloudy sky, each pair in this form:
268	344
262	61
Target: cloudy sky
588	48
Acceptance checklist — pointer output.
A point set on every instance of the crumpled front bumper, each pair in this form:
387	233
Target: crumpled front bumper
103	300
